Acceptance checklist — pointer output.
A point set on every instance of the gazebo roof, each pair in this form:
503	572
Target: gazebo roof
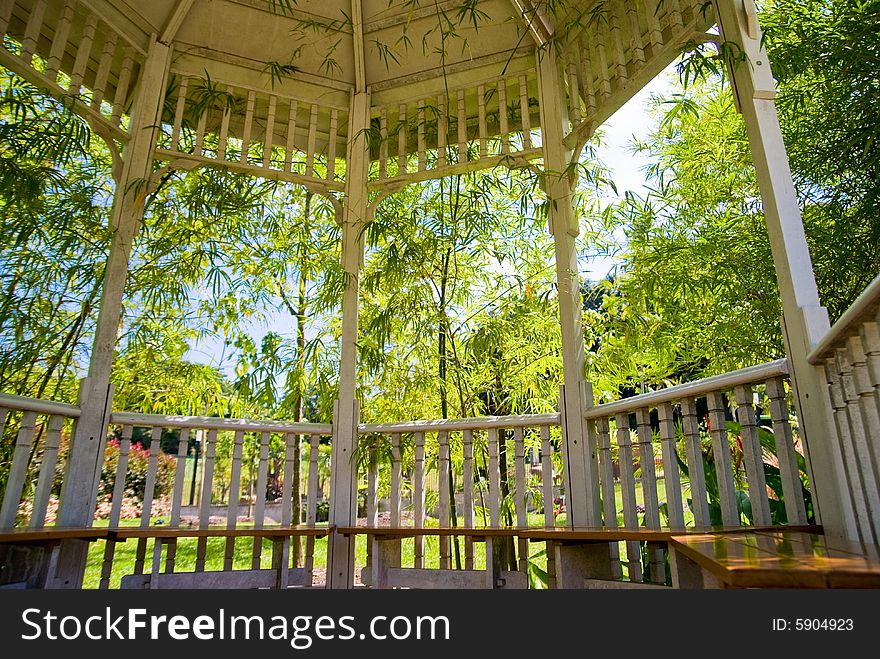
438	74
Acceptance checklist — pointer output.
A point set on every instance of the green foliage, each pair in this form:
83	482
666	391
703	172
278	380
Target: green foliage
136	474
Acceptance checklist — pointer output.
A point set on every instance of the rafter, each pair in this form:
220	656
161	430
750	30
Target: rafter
535	20
175	20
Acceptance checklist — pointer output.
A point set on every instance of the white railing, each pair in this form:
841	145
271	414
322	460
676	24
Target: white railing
228	448
849	356
491	471
682	416
35	456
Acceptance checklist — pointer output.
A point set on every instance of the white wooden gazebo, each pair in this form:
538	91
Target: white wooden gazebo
355	99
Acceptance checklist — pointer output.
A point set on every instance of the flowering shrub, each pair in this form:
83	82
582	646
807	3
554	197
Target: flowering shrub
136	474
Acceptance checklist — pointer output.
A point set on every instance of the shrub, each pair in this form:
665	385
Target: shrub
136	474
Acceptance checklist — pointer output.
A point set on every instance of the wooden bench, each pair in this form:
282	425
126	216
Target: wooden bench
772	558
279	576
28	557
385	570
583	559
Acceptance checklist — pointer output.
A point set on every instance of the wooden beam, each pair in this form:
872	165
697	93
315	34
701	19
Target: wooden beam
175	20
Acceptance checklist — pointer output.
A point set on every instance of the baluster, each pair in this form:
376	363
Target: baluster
419	498
103	70
421	137
248	125
179	110
82	54
18	470
547	495
116	504
574	97
753	455
149	492
867	401
617	44
481	110
47	471
696	469
32	32
122	86
675	14
522	519
721	452
383	144
628	492
372	492
494	480
525	114
260	495
312	500
291	137
395	480
442	127
152	467
372	487
223	135
444	505
5	16
860	436
206	496
177	496
502	116
312	141
637	47
795	511
201	126
585	66
59	41
268	138
649	489
291	465
401	140
462	128
601	57
234	496
871	336
606	481
3	414
850	460
331	145
655	34
467	478
671	480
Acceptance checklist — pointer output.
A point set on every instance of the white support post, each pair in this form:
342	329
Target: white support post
805	320
89	434
343	488
581	471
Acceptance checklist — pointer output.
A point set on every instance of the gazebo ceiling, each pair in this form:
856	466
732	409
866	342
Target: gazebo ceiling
264	86
404	42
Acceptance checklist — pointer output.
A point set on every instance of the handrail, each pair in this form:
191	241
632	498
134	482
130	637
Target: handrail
26	404
728	380
867	302
217	423
474	423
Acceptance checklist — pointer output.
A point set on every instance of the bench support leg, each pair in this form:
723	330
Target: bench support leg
688	575
386	554
281	561
576	562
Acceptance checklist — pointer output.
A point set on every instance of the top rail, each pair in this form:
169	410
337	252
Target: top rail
865	304
475	423
215	423
25	404
729	380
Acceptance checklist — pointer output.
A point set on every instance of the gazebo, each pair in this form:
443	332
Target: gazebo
355	99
